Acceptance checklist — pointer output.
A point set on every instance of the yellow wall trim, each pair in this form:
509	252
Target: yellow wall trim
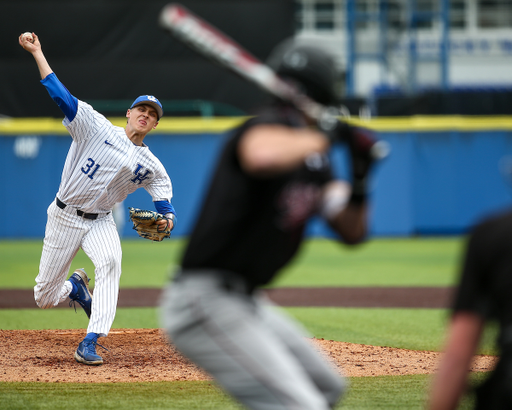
193	125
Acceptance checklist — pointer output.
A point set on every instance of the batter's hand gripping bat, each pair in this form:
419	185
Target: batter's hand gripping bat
216	46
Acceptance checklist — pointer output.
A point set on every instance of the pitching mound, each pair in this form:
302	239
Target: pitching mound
137	355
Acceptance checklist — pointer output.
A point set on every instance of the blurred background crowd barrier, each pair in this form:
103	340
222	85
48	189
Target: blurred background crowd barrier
431	77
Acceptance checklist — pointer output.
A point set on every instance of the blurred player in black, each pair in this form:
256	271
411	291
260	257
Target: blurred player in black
484	294
273	175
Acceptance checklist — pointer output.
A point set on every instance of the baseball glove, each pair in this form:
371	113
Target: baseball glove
144	222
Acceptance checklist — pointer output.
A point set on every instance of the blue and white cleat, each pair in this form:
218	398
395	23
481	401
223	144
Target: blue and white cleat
81	293
86	351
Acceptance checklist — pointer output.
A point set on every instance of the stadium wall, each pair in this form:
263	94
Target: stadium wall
115	50
442	175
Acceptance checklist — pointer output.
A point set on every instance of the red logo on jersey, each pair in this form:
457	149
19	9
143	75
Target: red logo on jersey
297	202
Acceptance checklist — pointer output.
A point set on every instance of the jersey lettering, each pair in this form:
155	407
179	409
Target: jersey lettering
139	176
90	164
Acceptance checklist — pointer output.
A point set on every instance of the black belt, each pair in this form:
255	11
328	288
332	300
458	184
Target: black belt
62	205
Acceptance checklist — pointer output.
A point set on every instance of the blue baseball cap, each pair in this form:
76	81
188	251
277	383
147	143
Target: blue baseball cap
149	100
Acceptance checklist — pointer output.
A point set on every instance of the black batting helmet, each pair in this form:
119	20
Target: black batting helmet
313	68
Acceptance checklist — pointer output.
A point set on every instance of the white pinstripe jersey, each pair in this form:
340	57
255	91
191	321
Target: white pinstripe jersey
103	166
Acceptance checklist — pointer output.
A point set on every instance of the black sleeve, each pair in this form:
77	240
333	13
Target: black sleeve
469	294
481	272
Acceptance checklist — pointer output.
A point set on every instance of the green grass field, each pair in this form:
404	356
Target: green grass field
365	393
380	262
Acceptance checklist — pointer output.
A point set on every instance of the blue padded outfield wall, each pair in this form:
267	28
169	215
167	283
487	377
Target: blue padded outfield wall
442	176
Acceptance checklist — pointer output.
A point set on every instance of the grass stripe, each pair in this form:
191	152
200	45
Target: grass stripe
383	392
322	262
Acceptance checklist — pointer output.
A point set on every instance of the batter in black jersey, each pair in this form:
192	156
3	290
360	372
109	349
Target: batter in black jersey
484	294
253	224
271	178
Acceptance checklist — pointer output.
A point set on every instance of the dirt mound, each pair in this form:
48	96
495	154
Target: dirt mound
144	355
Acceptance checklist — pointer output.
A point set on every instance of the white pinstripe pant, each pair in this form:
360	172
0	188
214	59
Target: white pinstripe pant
66	233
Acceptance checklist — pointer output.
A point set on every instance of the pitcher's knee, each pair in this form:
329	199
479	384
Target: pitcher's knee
44	303
113	266
45	299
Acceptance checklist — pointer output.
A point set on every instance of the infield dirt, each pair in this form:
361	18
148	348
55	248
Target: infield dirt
145	355
138	355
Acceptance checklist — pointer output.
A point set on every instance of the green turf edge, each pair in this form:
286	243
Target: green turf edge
382	392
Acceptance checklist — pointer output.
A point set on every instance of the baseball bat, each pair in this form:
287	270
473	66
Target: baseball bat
218	47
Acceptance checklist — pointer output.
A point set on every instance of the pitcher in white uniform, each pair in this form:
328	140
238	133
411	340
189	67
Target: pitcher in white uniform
104	164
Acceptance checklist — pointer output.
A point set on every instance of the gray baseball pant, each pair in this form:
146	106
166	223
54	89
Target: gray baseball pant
256	353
